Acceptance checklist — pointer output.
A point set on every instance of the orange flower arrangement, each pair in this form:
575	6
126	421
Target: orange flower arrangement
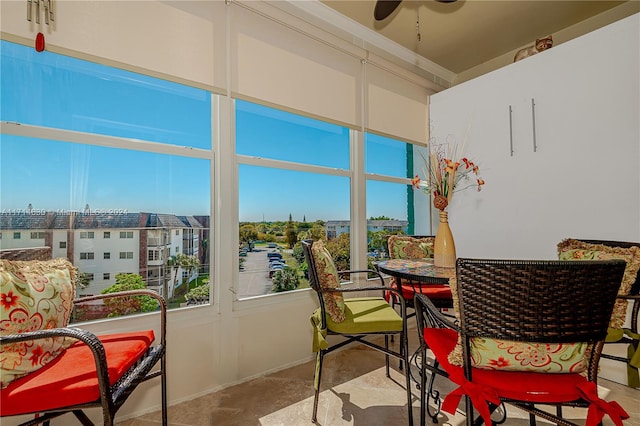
444	175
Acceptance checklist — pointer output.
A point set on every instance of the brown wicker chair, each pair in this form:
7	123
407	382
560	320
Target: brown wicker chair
41	392
628	338
521	301
364	317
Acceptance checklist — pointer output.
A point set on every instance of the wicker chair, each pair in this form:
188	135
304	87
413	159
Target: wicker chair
72	383
361	318
411	247
533	302
630	336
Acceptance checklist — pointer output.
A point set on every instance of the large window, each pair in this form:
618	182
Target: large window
96	150
293	182
391	200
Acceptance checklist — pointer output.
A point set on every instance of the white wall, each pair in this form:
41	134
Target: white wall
583	180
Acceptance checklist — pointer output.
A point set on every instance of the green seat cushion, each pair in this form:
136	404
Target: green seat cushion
366	315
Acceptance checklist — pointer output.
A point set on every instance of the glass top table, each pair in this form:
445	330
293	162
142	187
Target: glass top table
421	270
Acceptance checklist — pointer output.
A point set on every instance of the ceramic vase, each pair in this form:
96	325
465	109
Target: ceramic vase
444	249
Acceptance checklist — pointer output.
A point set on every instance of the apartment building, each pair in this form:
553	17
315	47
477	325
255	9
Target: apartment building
333	228
102	245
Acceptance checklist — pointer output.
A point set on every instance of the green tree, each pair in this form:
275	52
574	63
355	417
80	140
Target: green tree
315	232
130	304
199	294
290	233
286	279
177	262
248	234
298	254
83	280
340	249
378	240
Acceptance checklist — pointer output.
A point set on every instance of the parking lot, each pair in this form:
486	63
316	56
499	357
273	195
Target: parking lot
254	279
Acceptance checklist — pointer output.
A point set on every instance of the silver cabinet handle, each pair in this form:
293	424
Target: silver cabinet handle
511	129
533	119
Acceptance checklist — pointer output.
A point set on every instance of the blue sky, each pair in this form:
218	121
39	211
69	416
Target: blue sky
61	92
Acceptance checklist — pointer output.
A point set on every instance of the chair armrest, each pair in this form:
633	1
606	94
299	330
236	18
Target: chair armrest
382	285
129	293
428	316
363	271
629	296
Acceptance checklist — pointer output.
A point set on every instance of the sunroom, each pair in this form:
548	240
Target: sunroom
144	130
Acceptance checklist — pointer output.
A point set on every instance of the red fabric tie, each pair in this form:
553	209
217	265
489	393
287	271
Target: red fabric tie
598	407
480	397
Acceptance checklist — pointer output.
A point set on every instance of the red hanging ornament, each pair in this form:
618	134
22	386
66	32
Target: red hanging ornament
39	42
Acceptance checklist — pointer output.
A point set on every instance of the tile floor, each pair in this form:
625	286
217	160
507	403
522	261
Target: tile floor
355	391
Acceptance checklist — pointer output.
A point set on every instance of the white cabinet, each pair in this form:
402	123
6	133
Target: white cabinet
583	180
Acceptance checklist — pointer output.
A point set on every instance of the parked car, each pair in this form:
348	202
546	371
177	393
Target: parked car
274	269
274	255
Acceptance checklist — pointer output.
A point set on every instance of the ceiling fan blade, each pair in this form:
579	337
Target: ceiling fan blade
385	8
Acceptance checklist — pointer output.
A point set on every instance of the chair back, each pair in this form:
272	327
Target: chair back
312	269
635	287
410	246
549	301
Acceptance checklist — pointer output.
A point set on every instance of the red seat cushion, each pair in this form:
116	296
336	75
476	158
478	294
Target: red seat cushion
518	385
71	379
432	291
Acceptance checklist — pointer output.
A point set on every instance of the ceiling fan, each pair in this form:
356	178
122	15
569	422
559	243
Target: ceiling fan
384	8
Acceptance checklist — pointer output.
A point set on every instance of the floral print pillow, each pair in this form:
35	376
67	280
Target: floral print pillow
406	247
329	279
34	295
493	354
570	249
